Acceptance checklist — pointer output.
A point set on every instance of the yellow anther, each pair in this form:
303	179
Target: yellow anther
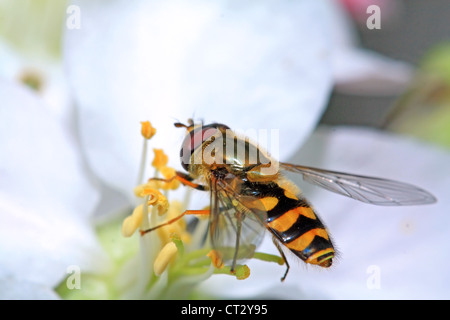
143	190
169	173
216	259
132	222
33	79
177	228
152	184
138	190
162	205
160	159
164	257
147	130
156	198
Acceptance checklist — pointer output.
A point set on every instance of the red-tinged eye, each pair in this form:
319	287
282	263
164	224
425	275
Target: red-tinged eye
194	140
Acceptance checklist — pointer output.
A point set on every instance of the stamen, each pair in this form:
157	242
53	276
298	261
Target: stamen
162	205
160	160
164	257
132	222
139	189
156	198
169	173
147	130
177	228
216	259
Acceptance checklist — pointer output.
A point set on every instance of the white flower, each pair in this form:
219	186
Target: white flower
30	50
46	199
246	65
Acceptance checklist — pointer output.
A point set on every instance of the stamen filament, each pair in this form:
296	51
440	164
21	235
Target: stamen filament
147	252
140	177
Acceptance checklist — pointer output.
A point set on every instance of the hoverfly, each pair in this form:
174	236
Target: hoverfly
250	194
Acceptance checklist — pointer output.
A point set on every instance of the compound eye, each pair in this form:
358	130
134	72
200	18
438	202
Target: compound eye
194	140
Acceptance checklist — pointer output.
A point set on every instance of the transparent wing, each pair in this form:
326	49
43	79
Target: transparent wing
371	190
235	230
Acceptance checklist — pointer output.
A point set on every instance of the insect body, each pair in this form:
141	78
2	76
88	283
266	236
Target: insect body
250	194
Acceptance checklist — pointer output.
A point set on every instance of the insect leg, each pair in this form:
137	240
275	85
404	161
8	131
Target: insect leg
185	179
205	212
276	243
236	249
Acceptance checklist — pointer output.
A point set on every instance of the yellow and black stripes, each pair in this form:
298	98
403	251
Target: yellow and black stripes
294	223
242	173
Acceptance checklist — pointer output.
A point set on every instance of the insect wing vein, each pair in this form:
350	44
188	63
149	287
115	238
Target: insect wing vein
226	213
371	190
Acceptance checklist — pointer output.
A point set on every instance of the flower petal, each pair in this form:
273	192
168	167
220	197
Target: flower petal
13	289
39	158
249	66
30	50
363	72
46	198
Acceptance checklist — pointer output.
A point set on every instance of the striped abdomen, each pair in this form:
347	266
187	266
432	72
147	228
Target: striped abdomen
293	222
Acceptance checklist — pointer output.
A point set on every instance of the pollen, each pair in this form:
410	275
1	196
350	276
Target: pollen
160	160
156	198
151	184
216	259
147	130
160	202
132	222
165	256
177	228
169	173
